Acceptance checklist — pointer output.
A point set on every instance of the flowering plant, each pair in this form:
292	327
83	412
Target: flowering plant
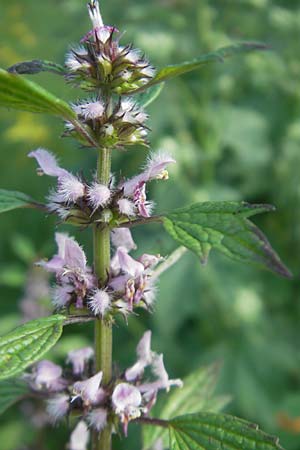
99	398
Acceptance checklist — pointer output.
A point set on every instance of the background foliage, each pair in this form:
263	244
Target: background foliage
235	132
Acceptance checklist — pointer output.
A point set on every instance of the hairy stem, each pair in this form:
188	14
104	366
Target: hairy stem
103	330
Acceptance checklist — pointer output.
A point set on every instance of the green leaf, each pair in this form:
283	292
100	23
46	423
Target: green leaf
10	200
196	395
225	227
146	98
18	93
209	431
218	56
28	343
36	66
11	391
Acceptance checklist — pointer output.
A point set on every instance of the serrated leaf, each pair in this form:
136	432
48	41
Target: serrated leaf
28	343
218	56
209	431
11	391
196	395
225	227
18	93
36	66
10	200
147	97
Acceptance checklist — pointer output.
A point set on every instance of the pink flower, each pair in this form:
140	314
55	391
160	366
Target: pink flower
80	437
89	390
78	359
73	276
101	31
97	419
58	407
126	400
126	207
99	302
69	187
163	381
91	110
131	278
48	376
145	356
132	113
98	195
135	188
121	237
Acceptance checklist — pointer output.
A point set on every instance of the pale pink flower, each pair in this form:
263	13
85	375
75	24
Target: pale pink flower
131	112
126	400
97	419
126	207
163	381
61	295
135	188
89	390
131	278
149	261
133	55
129	265
99	302
90	110
48	376
122	237
70	256
58	407
48	163
98	195
145	356
102	32
74	278
79	358
69	187
80	437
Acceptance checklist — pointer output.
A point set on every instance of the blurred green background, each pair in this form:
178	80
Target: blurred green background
234	129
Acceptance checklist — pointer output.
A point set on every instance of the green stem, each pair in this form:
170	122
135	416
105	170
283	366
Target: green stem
103	330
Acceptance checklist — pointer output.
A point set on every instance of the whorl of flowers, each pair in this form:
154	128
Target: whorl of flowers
82	203
119	125
127	397
129	284
101	62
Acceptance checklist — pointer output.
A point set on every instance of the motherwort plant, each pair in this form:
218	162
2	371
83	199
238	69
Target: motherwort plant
100	401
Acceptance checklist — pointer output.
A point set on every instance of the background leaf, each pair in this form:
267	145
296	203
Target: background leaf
11	391
225	227
18	93
12	200
196	395
28	343
36	66
208	431
218	56
147	97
